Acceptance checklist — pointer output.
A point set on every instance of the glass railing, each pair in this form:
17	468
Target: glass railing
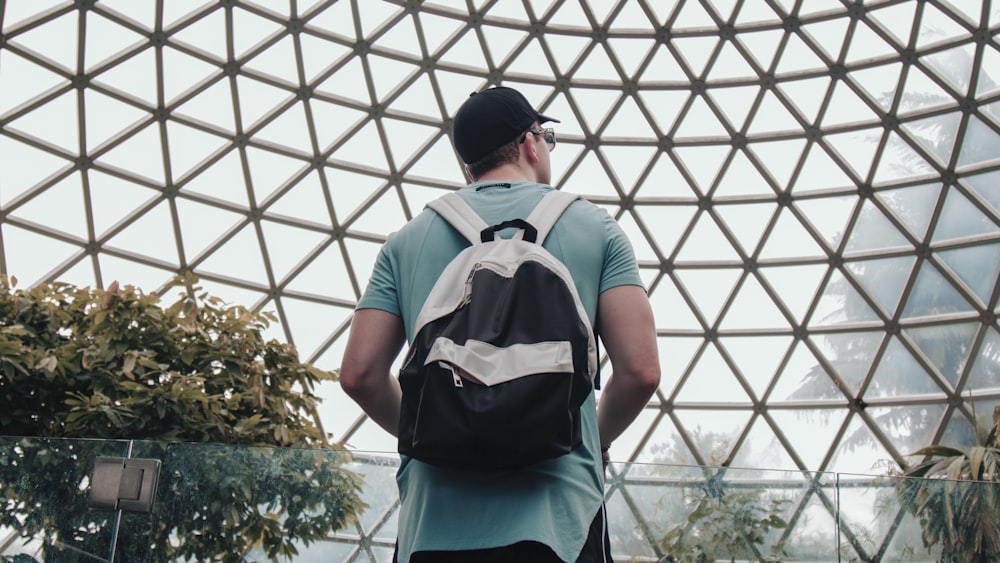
132	501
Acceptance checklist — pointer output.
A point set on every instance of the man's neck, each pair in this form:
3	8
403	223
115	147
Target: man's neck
507	173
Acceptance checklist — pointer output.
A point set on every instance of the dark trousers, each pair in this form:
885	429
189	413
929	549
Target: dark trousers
597	549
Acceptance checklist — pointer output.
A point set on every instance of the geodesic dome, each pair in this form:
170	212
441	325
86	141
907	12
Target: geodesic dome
811	187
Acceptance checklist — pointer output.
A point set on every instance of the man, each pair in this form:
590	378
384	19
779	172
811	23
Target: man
552	510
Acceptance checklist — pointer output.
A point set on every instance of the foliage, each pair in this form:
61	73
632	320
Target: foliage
734	524
956	495
114	364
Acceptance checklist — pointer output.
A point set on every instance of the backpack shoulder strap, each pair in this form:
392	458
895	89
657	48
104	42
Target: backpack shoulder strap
548	211
453	209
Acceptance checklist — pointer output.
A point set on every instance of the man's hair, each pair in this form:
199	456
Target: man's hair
507	153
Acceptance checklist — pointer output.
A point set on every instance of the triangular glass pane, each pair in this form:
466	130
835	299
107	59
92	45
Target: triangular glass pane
711	381
287	247
981	144
113	199
797	57
703	163
692	14
182	72
796	286
936	26
531	60
629	122
105	39
667	300
55	122
107	117
730	65
840	303
249	30
641	239
239	258
596	66
149	235
347	82
856	149
695	51
883	278
384	215
959	218
125	271
664	105
331	18
439	163
761	448
753	309
311	323
207	32
189	147
977	266
780	158
746	222
846	107
374	16
899	375
705	242
734	103
714	433
896	19
400	36
213	105
984	185
590	178
947	347
28	84
56	40
418	98
223	180
859	451
140	154
626	514
665	180
58	207
405	139
954	65
667	222
757	357
304	201
630	53
565	49
921	93
741	180
388	75
357	150
130	10
867	45
820	425
638	159
288	128
820	172
806	95
804	378
570	14
257	100
828	216
761	45
936	134
788	239
270	171
879	82
500	42
202	226
873	231
333	122
135	76
932	295
913	206
828	35
665	68
709	289
985	372
350	190
318	55
988	81
851	355
699	121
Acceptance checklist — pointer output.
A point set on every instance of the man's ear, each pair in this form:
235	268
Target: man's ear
531	147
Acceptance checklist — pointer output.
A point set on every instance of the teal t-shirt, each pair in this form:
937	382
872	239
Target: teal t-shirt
552	502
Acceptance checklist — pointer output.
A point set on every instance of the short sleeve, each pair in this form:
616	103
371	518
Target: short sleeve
620	267
381	291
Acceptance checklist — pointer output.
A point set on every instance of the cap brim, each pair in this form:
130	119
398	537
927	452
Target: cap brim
546	119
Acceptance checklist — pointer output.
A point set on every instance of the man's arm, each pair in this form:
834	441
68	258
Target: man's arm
375	340
629	334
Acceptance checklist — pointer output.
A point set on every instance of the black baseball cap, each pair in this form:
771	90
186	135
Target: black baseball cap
490	118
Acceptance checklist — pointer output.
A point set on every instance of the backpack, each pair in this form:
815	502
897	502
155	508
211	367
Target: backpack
503	355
